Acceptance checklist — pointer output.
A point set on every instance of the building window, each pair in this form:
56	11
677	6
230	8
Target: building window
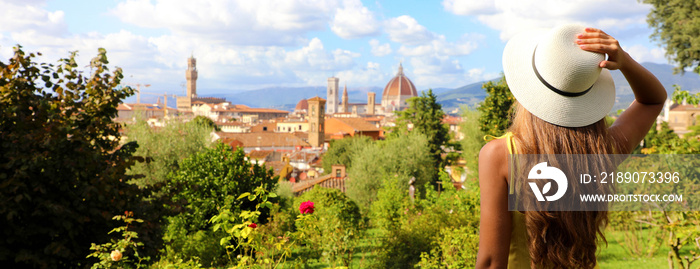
264	128
299	127
337	172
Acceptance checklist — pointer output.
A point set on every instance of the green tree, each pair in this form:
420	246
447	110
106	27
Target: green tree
676	26
62	169
206	121
342	151
164	147
403	157
472	142
426	115
496	108
666	141
206	182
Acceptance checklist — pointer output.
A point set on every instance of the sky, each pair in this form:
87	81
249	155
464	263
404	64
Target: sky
253	44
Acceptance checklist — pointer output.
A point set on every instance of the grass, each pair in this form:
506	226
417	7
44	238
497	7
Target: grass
364	255
612	256
615	256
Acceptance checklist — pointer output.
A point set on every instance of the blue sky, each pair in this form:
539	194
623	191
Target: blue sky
245	45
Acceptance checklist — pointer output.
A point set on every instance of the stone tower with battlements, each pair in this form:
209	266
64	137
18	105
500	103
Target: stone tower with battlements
191	75
344	103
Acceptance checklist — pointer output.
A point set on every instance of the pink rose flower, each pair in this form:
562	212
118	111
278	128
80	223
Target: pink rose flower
253	225
306	207
116	255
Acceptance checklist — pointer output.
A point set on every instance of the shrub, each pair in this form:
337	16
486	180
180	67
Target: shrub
425	226
333	228
204	184
454	248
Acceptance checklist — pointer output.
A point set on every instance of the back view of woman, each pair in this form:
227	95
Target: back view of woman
563	87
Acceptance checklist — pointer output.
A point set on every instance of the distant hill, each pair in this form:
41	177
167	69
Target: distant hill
286	98
472	94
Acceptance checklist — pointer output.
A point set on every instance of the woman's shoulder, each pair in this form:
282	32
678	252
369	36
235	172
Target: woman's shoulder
494	148
493	154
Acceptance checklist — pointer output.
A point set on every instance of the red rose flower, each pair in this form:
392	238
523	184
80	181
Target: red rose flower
253	225
306	207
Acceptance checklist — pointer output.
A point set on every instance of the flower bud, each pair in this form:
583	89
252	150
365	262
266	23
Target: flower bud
116	255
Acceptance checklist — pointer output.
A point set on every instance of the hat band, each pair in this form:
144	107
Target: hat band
554	89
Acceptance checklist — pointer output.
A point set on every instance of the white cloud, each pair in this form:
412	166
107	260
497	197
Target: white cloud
315	57
17	16
239	22
644	54
378	49
370	75
406	30
478	74
354	20
441	47
461	7
513	16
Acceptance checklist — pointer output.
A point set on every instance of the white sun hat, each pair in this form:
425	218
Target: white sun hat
557	81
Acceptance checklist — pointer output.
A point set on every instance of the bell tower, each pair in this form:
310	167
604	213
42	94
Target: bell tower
332	95
317	106
191	75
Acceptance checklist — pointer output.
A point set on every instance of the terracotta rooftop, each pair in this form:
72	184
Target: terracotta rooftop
677	107
264	139
259	154
358	124
452	120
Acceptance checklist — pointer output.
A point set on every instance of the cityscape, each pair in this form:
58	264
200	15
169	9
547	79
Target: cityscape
316	134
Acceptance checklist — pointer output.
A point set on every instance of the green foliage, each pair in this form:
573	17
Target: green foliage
426	115
665	141
201	246
639	237
676	27
425	227
164	148
682	229
496	109
256	248
202	184
115	254
405	156
472	142
393	203
333	230
63	170
679	96
207	122
343	152
454	248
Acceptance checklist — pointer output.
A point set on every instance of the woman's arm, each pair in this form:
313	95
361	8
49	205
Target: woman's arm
495	224
633	124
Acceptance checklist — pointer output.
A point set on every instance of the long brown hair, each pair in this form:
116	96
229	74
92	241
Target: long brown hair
561	239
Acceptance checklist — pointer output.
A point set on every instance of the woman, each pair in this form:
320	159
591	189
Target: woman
564	90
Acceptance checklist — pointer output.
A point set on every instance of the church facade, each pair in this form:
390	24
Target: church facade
394	97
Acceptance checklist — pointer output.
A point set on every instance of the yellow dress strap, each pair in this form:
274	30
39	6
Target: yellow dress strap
509	141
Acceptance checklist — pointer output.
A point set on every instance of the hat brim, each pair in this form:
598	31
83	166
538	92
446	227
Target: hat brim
546	104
